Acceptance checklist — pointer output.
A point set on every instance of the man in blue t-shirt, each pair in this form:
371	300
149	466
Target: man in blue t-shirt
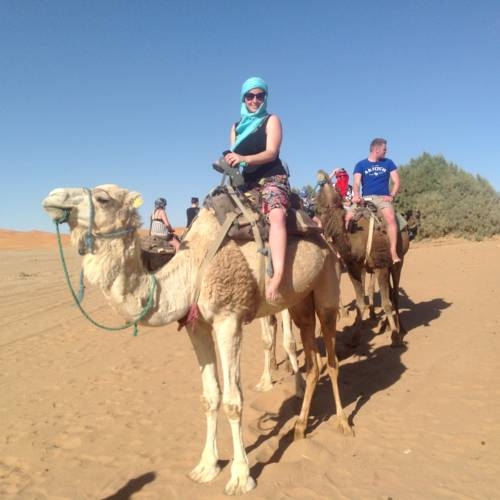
374	174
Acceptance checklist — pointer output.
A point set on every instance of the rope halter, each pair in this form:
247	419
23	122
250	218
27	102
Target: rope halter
89	243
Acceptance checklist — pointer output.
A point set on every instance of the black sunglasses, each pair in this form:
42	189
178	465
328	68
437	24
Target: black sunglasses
250	97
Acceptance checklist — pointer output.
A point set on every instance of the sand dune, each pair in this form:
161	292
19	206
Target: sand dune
90	414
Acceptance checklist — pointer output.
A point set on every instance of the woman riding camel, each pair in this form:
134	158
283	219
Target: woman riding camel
255	146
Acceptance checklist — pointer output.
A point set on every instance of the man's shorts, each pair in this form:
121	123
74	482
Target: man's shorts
378	201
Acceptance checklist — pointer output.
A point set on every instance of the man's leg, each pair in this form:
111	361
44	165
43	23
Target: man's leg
392	231
349	214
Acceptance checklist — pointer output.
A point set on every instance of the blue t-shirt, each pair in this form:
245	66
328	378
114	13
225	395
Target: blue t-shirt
375	176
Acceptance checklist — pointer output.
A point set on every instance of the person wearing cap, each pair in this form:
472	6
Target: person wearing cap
255	145
160	225
192	211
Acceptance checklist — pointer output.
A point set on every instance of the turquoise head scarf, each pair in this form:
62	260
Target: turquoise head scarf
250	121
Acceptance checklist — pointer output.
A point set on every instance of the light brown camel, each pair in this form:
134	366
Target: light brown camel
362	254
228	290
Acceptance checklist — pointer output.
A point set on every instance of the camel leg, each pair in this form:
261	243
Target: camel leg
327	318
291	350
203	344
386	298
304	317
400	332
357	281
342	308
268	326
371	294
228	338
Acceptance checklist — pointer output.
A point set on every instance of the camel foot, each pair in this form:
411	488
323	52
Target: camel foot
299	430
383	327
241	482
265	384
204	473
342	425
397	340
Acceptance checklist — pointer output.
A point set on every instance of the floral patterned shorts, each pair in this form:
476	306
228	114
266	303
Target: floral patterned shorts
275	193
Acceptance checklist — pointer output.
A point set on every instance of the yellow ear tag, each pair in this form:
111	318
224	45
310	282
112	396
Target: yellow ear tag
138	201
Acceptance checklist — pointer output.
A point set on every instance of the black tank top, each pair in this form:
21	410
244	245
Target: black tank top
253	144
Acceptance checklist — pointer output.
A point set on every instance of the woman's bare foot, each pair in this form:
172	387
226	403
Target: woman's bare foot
272	293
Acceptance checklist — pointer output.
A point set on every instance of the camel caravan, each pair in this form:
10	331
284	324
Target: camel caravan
216	282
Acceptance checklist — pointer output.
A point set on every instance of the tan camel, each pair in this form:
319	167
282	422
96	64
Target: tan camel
362	255
228	290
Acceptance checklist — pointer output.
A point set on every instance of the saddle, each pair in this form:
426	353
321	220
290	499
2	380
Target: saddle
155	252
370	211
223	200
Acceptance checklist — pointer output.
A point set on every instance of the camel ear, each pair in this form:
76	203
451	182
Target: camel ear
134	199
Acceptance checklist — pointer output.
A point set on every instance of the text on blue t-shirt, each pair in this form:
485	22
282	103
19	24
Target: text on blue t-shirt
375	176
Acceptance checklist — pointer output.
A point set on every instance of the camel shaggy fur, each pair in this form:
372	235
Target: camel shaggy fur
361	257
226	289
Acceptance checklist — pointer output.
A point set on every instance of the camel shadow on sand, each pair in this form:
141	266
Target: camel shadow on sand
414	314
133	486
358	382
359	379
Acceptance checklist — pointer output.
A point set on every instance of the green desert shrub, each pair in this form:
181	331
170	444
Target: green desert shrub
450	200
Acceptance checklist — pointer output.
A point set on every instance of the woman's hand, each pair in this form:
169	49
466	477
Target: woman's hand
234	159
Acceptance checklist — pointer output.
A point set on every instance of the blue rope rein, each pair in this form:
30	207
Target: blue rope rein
77	299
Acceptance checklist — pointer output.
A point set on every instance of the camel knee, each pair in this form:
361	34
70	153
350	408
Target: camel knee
388	310
329	318
267	343
232	411
312	375
210	403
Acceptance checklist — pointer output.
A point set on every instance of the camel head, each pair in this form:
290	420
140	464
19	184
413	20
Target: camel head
327	196
332	215
103	211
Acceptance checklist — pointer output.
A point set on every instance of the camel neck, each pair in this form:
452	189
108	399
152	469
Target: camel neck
117	268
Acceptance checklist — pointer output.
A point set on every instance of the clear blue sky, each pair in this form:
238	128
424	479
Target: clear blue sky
142	93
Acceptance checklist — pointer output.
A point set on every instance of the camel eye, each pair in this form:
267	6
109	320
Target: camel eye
102	198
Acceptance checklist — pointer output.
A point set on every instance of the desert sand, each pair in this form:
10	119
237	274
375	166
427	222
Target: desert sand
91	414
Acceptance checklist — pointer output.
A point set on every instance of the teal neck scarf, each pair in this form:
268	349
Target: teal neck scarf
250	121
